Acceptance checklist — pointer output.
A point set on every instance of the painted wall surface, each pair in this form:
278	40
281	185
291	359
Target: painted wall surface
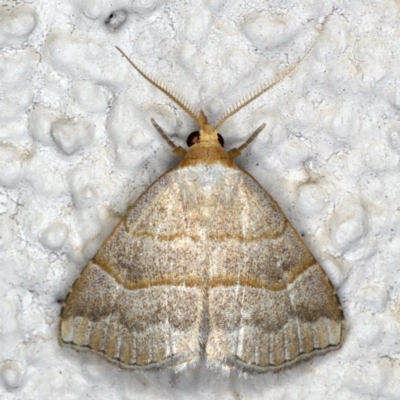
77	148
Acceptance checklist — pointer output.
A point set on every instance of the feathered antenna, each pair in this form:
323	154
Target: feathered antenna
259	91
175	97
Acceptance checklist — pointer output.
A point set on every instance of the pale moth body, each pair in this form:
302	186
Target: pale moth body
203	265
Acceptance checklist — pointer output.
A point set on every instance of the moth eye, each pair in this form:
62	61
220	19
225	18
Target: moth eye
221	140
194	137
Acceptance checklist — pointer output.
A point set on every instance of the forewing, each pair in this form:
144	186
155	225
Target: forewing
139	301
270	303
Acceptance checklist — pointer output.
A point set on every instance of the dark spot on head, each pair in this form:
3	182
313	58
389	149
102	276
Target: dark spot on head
194	137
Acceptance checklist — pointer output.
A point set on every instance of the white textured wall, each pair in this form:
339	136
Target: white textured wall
77	147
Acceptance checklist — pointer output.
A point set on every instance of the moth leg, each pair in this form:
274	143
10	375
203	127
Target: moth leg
178	151
233	153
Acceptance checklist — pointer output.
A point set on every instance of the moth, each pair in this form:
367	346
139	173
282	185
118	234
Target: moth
204	265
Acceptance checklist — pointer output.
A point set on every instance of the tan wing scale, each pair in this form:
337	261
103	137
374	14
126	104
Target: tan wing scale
270	303
139	301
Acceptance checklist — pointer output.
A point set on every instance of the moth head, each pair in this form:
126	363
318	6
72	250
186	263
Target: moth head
205	134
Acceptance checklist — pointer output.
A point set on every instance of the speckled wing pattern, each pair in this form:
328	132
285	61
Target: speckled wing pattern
270	303
204	264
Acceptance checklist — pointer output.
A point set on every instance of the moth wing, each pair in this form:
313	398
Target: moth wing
138	302
270	303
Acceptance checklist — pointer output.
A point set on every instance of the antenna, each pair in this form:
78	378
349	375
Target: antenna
259	91
176	98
